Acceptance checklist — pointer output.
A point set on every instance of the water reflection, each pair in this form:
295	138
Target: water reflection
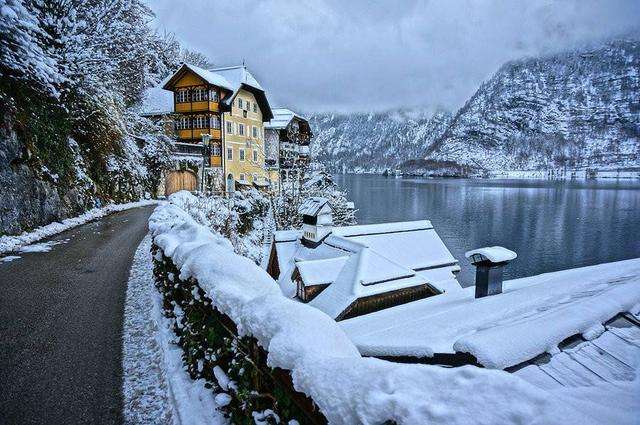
552	225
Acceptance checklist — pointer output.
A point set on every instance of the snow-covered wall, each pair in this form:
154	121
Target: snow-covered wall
325	364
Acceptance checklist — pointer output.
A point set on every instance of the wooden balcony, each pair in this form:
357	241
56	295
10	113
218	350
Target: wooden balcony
202	106
215	161
195	133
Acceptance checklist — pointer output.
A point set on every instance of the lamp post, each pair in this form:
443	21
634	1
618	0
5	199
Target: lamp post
206	138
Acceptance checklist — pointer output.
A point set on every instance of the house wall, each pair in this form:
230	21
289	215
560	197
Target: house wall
236	142
378	302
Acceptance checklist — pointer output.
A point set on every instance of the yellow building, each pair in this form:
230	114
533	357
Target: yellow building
244	147
229	105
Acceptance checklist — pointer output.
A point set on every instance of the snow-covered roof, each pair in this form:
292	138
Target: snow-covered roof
240	77
364	260
236	76
611	358
495	254
531	316
321	272
210	77
312	205
281	118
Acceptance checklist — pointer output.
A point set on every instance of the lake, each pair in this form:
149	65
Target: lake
551	224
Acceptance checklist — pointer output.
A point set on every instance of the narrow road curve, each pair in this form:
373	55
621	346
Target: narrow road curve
61	315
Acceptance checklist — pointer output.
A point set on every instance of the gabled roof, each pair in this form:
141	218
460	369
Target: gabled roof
282	117
364	260
312	206
210	77
239	77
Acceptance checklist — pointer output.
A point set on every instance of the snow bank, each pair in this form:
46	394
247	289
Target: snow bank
156	387
11	243
325	364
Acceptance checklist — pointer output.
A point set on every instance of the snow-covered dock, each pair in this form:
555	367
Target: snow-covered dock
531	317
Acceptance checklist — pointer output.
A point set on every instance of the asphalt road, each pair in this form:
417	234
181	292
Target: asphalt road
61	318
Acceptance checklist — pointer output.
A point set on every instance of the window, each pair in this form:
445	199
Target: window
255	108
199	94
213	95
217	150
255	132
255	155
182	96
229	127
254	177
214	121
183	123
239	103
200	121
241	129
241	154
242	177
229	154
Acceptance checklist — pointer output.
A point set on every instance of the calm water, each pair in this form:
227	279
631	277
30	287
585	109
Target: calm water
552	225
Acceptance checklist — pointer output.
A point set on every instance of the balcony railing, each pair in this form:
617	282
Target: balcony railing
188	148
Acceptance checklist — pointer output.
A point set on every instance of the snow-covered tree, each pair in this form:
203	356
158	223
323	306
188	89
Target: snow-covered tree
313	183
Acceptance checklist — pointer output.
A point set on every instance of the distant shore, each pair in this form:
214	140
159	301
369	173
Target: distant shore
550	174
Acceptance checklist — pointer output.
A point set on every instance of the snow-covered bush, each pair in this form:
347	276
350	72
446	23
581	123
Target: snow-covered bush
233	366
314	183
241	217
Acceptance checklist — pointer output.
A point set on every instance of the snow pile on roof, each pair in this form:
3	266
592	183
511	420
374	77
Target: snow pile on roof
382	258
236	76
212	77
532	316
281	118
311	206
495	254
325	365
12	243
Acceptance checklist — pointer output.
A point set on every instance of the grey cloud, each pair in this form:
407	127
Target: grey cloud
319	55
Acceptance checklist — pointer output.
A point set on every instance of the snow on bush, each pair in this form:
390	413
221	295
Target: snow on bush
315	183
240	217
324	363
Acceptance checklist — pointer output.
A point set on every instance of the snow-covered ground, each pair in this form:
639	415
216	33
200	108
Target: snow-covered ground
13	243
326	365
157	389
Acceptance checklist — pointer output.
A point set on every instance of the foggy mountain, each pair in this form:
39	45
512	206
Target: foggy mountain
578	109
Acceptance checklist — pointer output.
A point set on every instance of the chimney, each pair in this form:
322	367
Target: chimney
317	221
489	263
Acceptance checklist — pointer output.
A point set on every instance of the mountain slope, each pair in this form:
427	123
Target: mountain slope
374	142
579	109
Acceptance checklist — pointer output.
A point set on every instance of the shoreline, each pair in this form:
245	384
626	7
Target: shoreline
520	175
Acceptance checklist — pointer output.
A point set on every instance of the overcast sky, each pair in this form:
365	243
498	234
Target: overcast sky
365	55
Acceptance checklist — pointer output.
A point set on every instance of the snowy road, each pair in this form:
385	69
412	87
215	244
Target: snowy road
61	316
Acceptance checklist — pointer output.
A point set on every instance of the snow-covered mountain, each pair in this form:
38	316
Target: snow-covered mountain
579	109
374	142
